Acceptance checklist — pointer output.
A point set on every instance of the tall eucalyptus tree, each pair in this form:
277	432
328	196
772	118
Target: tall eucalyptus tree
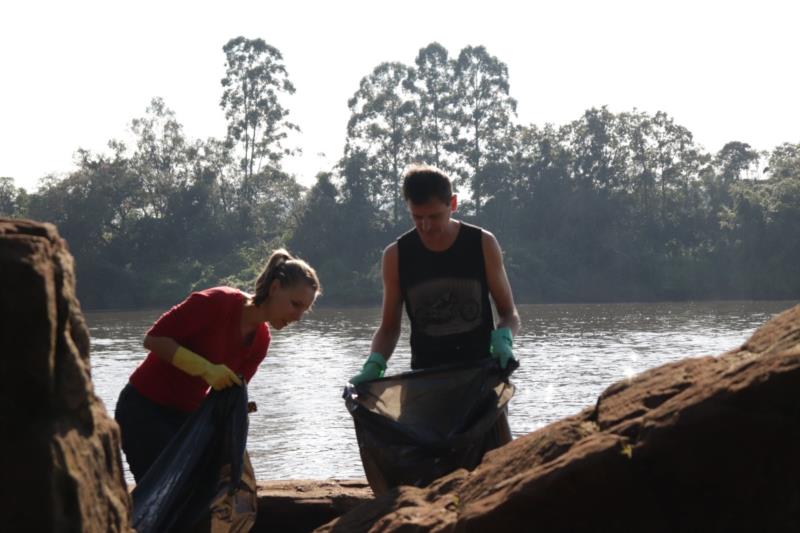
598	152
382	125
736	160
663	158
483	115
160	159
433	81
255	82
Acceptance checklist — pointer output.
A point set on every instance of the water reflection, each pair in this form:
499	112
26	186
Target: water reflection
568	354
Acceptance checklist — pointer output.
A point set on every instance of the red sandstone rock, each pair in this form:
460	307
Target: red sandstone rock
60	458
707	444
299	506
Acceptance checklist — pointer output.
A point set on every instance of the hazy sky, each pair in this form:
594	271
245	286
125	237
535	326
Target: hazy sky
74	73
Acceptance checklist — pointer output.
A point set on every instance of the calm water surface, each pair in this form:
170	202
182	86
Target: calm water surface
568	353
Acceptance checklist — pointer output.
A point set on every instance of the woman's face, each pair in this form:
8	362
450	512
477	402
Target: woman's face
287	304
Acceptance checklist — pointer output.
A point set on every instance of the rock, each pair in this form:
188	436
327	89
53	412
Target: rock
704	444
299	506
60	452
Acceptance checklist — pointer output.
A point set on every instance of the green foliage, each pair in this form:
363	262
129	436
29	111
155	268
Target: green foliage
608	207
784	162
13	199
148	227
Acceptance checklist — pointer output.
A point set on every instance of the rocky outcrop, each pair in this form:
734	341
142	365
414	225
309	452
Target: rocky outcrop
705	444
60	458
299	506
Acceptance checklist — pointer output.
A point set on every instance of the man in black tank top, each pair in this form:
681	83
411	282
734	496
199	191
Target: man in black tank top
446	297
444	271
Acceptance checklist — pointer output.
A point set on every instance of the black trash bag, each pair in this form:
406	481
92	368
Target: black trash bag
176	491
415	427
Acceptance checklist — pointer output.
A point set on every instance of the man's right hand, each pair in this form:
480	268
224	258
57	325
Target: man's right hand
373	368
500	346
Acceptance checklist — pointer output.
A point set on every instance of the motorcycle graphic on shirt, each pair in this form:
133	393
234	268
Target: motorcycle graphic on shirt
445	306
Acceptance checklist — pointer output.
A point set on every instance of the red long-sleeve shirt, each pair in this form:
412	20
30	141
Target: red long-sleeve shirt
208	323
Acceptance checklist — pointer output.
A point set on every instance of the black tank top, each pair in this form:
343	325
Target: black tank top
446	297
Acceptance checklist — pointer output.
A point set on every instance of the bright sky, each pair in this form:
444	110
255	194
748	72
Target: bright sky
75	73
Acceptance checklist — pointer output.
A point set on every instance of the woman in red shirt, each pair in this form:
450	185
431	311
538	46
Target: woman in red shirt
206	341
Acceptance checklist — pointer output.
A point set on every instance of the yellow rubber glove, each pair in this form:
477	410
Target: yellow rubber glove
217	376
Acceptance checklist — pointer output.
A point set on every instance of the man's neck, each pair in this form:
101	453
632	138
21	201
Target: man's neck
444	240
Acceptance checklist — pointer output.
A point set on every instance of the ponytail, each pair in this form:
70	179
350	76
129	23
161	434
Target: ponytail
288	270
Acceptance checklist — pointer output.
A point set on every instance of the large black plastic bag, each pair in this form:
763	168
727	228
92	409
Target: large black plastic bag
177	490
415	427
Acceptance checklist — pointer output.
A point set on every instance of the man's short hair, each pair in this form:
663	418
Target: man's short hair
423	183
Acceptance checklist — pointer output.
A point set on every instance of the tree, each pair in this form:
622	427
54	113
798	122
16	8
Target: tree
736	160
784	161
381	125
483	116
433	84
160	160
13	199
274	196
255	80
92	205
598	160
662	156
318	235
358	181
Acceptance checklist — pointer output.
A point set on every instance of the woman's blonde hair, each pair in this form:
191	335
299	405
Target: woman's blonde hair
288	270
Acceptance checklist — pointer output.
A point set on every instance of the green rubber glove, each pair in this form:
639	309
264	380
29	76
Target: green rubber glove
373	368
217	376
500	346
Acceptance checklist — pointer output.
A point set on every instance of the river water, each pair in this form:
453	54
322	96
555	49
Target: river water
568	353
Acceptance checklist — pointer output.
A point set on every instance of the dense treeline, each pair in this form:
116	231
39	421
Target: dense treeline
612	206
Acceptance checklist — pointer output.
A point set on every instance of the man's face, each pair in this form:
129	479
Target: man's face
431	218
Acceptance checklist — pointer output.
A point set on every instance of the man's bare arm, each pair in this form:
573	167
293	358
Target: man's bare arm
499	287
386	336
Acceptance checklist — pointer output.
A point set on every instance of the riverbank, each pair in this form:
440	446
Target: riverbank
299	506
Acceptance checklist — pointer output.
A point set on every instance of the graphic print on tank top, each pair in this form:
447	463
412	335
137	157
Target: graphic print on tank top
446	306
